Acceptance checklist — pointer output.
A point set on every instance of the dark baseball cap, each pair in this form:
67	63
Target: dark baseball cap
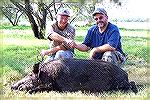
100	11
64	12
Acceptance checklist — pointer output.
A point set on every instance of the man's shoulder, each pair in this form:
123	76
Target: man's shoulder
70	26
112	26
93	27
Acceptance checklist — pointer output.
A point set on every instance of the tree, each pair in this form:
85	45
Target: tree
37	21
38	11
37	16
12	14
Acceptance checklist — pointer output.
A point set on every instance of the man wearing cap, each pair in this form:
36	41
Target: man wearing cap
61	34
104	40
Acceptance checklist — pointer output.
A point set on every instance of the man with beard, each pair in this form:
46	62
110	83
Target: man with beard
104	40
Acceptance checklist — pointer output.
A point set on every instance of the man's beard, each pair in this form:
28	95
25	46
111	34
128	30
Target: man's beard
101	24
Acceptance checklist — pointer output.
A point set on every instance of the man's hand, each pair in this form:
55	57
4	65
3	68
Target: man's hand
44	52
68	43
93	52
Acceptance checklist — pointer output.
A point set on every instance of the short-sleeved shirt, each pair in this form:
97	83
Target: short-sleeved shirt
68	32
110	36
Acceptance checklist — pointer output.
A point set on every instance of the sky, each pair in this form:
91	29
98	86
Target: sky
139	8
129	9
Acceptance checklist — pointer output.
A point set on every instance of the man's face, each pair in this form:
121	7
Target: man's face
101	20
62	20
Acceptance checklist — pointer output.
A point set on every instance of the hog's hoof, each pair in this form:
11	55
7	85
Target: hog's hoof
133	87
14	87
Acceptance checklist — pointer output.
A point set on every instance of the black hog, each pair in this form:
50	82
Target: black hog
76	75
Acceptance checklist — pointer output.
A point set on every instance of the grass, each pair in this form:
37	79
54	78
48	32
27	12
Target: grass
10	27
19	53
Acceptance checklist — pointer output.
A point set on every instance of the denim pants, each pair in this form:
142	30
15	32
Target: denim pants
60	54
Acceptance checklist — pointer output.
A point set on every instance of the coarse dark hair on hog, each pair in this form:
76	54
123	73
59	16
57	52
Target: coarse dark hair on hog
94	76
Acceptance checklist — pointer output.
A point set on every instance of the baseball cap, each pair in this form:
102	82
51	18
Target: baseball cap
64	11
100	11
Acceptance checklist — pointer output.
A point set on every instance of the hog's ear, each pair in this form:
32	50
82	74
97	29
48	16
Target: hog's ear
36	68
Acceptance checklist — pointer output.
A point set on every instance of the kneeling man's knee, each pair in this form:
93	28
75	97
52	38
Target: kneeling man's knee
63	54
115	57
108	56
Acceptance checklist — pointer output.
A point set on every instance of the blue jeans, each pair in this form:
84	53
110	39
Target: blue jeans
60	54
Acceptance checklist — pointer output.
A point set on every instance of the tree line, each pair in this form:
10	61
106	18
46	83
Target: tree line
38	11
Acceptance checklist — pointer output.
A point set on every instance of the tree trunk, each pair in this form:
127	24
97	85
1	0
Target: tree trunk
35	28
29	13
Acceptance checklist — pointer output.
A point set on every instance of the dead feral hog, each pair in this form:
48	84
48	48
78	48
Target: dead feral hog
76	75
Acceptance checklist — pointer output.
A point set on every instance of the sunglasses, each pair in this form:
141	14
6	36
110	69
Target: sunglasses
101	17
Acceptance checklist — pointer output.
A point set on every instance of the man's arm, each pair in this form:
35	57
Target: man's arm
56	37
82	47
52	35
103	48
53	50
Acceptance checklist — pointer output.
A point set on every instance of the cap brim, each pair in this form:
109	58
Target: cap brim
64	15
98	13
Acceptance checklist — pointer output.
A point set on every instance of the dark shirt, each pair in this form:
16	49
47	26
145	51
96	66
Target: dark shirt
110	36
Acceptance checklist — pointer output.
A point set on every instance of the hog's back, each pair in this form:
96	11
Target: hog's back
86	75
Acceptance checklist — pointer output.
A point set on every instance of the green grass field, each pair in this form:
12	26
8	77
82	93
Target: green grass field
19	50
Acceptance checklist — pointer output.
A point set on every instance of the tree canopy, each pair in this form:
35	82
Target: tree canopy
38	11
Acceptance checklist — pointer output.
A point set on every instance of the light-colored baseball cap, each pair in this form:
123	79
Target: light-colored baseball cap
64	12
100	11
